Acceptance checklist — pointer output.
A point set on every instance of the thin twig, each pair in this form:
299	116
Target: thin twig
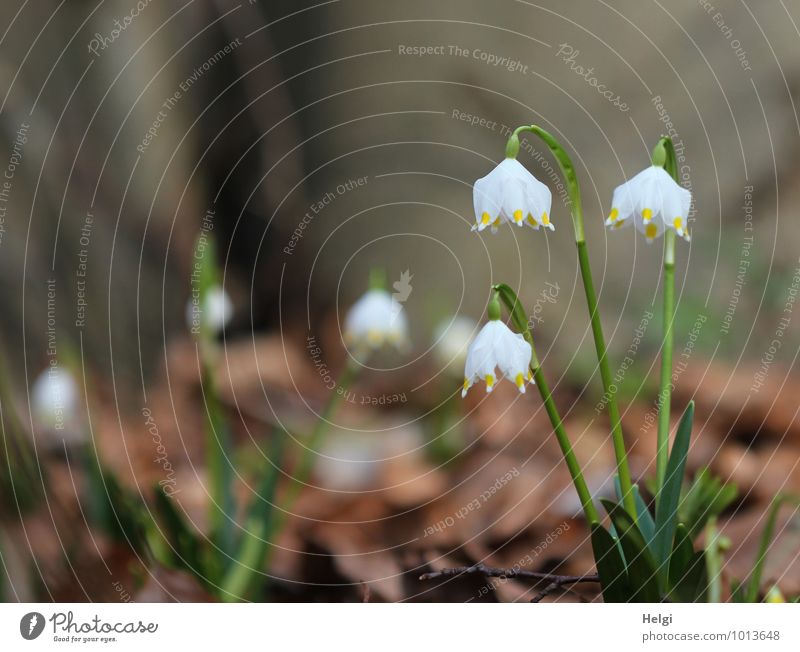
566	580
510	573
555	581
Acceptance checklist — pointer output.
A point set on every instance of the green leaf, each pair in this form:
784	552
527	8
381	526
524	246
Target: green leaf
644	519
767	534
688	570
667	502
706	498
610	566
737	591
681	557
693	584
641	565
185	545
259	526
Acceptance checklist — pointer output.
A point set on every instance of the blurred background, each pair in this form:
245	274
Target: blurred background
315	142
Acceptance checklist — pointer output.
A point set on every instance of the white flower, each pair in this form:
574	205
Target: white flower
451	340
511	193
215	313
653	201
497	347
376	318
349	461
55	402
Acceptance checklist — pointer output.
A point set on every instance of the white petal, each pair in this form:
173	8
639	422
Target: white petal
511	193
514	202
497	352
621	206
485	199
540	201
651	229
376	318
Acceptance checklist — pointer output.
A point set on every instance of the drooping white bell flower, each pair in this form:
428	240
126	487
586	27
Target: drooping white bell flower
511	193
497	352
214	313
653	201
376	319
451	341
55	399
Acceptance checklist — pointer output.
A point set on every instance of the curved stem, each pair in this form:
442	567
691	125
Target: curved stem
576	209
520	319
625	481
665	385
563	441
219	448
306	463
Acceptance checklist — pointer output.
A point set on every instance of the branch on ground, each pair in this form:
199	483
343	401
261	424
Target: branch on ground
555	582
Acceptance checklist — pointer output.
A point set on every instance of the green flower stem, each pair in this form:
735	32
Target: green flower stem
563	440
258	544
219	445
665	385
520	319
571	179
625	482
306	463
716	545
664	155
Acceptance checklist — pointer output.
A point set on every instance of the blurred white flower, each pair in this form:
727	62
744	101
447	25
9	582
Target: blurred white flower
653	201
376	319
55	401
511	193
349	461
451	341
497	347
215	313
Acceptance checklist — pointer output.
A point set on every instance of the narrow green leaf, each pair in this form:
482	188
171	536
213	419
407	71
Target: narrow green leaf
259	527
681	557
767	534
219	440
737	591
667	502
182	539
706	498
641	565
644	519
610	566
693	584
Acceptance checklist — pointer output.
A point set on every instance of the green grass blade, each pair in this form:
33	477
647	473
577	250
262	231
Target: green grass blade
767	534
260	527
610	566
667	502
641	565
